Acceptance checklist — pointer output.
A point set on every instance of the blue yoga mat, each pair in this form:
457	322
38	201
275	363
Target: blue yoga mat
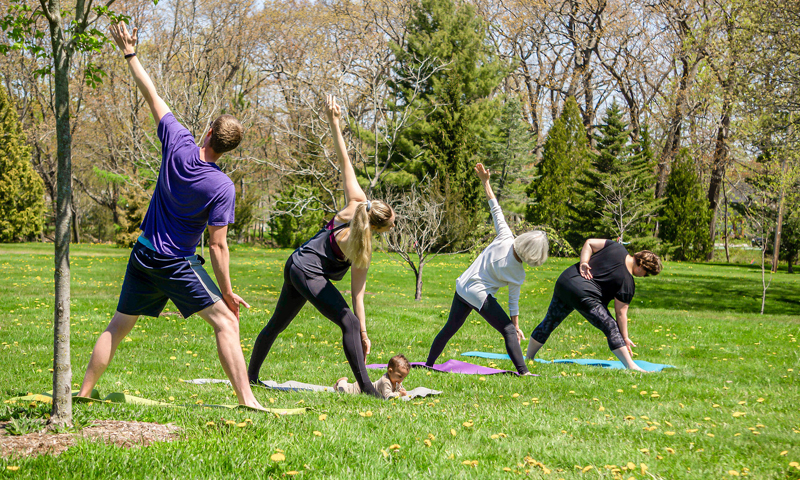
650	367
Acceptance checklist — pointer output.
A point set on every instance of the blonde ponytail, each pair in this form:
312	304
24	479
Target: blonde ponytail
358	248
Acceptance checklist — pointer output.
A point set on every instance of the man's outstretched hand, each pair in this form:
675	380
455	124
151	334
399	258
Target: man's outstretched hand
124	40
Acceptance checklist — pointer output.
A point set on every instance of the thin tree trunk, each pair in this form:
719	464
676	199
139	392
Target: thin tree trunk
725	197
418	272
76	232
720	163
62	369
776	251
673	141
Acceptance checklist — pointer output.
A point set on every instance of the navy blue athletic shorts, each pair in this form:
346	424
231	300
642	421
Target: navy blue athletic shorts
151	279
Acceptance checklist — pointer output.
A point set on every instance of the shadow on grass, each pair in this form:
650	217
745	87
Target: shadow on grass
736	289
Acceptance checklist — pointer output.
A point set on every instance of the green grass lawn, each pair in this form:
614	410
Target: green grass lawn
571	421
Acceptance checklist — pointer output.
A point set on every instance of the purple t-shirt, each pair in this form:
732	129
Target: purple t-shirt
190	193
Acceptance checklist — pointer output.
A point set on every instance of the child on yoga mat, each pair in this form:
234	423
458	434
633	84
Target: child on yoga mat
346	240
605	271
390	385
499	265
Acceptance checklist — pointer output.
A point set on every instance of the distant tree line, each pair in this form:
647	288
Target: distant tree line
669	125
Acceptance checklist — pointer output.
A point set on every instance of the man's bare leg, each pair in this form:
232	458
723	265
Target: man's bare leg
119	327
229	348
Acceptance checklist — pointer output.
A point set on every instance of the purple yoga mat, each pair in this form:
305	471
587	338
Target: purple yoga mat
453	366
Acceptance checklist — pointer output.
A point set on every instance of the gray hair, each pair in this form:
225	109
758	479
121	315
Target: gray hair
532	247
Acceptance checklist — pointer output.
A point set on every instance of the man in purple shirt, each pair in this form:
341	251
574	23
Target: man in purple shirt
191	192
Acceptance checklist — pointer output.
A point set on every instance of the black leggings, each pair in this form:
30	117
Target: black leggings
597	315
299	287
493	313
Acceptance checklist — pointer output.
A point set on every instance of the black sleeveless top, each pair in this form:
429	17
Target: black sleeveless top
320	256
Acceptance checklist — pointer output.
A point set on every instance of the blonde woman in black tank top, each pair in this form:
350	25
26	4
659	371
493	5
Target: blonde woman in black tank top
344	242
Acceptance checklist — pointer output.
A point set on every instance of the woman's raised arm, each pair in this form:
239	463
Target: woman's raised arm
352	190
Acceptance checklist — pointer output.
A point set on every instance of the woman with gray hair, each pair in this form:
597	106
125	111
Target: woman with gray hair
499	265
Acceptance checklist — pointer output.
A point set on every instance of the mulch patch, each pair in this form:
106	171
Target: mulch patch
119	433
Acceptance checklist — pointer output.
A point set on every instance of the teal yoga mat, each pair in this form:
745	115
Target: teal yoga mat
614	364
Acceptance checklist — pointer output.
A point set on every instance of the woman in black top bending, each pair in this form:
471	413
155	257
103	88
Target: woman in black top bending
605	271
346	240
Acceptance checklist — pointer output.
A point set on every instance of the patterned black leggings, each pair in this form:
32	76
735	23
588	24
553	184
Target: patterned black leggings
493	313
299	288
598	316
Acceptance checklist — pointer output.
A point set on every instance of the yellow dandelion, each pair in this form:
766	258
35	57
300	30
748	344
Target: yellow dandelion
277	457
317	433
322	417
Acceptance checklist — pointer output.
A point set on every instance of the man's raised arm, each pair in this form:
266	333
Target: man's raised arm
127	43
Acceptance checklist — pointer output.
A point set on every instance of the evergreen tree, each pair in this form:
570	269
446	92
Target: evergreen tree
455	104
685	214
21	188
508	153
552	194
641	170
605	166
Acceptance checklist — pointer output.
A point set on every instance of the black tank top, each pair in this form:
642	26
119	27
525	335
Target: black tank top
321	256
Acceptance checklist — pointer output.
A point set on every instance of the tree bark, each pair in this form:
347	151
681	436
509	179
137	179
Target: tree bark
725	197
418	272
776	251
62	369
76	231
720	164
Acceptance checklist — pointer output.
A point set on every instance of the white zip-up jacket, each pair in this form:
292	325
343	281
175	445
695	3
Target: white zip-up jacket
495	268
